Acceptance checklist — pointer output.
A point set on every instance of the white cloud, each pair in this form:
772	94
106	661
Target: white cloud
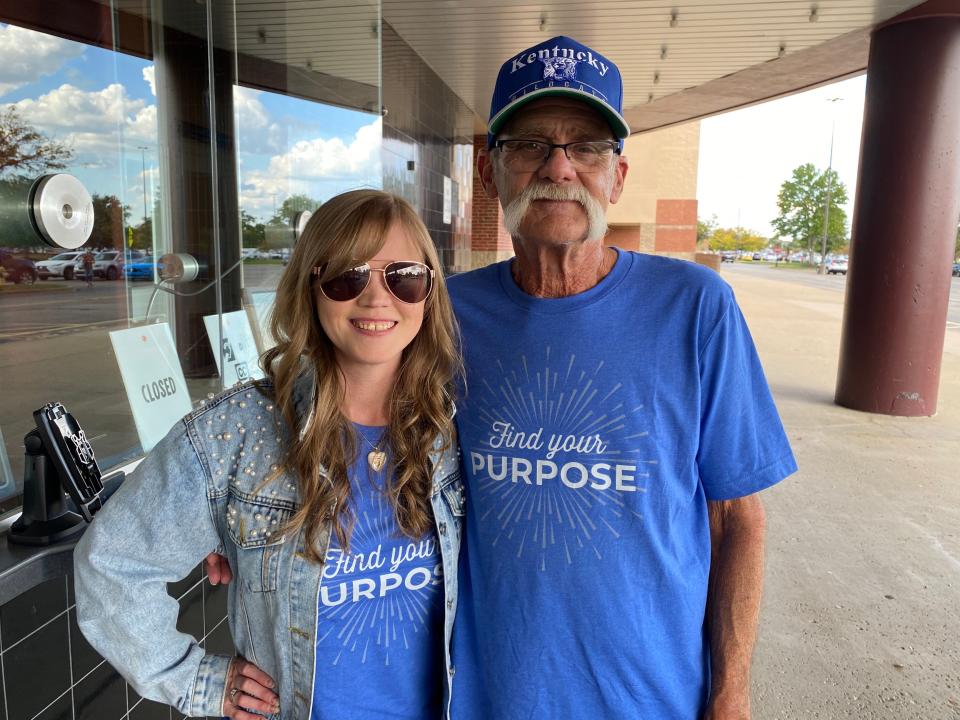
256	132
150	75
249	111
99	121
319	168
26	56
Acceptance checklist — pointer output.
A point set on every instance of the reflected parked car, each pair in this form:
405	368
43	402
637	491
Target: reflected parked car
62	265
109	263
142	269
21	271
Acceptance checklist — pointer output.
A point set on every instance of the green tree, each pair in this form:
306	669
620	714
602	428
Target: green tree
736	239
26	151
705	228
801	203
141	234
286	213
110	217
251	230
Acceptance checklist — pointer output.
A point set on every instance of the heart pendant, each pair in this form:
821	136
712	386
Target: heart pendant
376	459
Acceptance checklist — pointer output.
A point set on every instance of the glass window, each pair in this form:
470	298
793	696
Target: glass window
220	184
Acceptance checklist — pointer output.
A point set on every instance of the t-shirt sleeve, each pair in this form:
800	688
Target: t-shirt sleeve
743	447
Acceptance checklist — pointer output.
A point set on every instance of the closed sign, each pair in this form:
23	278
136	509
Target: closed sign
152	378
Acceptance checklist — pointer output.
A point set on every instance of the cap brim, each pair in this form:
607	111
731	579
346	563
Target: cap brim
619	126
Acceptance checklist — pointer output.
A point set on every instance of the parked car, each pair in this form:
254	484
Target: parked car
728	256
142	270
956	269
18	270
837	266
61	265
109	263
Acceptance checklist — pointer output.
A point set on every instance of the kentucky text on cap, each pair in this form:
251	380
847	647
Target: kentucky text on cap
559	66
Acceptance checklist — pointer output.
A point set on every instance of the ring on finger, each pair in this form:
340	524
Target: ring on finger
233	694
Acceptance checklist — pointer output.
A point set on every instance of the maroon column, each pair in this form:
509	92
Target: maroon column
905	218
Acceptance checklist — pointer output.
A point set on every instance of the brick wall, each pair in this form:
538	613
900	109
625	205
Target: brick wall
490	241
676	226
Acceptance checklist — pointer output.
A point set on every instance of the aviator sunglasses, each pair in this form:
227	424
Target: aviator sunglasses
408	281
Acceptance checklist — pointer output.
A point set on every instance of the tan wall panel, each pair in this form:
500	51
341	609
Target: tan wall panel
663	164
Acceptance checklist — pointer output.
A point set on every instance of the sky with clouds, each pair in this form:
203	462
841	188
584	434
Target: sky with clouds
104	106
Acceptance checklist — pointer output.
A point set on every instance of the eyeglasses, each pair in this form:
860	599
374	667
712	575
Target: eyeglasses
409	282
585	156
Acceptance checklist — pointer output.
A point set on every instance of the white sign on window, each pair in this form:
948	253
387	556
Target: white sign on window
152	378
238	357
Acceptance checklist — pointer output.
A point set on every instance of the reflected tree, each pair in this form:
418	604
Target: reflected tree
286	213
110	216
254	235
27	151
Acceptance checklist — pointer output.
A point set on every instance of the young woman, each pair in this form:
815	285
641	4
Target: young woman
332	489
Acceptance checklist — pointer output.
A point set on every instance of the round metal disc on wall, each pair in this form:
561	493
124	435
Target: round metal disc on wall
61	211
179	267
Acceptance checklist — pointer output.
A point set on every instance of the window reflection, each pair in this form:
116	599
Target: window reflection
133	130
85	110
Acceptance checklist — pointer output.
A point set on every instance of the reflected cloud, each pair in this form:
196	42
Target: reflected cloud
26	56
317	168
92	121
150	76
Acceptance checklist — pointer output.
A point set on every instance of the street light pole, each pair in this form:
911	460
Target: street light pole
826	206
143	180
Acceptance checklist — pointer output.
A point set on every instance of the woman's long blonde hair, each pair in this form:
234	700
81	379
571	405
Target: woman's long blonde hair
346	230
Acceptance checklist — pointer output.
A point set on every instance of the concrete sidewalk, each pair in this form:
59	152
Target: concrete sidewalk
861	616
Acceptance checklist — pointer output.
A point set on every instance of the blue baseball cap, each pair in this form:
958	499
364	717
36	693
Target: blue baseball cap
558	66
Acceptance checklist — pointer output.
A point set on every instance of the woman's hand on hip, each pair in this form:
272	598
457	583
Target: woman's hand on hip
249	688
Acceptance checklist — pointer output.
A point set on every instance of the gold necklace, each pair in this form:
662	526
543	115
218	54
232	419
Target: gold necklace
376	458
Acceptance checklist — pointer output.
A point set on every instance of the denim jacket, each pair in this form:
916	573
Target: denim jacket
199	491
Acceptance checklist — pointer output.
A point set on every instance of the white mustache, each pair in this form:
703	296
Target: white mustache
514	213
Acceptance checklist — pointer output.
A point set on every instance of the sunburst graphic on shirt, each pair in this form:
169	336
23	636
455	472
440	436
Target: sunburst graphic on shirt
374	603
560	461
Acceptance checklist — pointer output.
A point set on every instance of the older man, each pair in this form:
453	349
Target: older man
615	431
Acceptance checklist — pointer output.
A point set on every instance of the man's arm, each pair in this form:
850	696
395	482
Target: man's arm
733	602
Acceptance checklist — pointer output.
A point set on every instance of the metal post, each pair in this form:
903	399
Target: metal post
143	180
826	206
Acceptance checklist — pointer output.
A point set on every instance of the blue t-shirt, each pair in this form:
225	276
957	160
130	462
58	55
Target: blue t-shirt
594	430
380	613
